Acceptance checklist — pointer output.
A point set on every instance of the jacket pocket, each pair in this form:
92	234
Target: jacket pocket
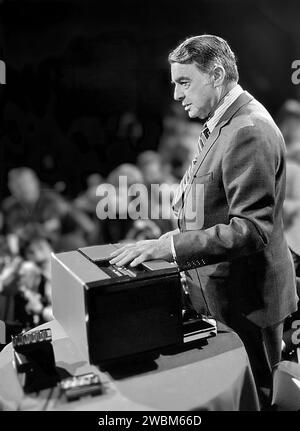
202	179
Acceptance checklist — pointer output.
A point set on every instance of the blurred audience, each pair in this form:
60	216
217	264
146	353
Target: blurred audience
34	221
154	169
25	282
178	142
288	120
87	202
31	204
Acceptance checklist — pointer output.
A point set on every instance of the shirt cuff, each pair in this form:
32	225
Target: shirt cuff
173	249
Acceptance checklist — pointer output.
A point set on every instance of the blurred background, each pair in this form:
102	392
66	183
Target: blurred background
88	84
88	98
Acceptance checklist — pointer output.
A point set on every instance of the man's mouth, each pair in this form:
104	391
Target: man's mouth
187	107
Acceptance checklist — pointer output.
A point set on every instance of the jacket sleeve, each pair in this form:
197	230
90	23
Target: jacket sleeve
249	167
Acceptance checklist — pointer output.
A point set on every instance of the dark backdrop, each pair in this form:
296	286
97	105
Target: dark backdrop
75	67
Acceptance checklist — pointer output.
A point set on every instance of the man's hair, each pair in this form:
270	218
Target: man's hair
17	173
205	51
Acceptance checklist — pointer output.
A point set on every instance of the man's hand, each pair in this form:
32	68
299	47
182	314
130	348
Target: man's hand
141	251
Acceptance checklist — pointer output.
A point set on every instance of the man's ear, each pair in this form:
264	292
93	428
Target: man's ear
218	75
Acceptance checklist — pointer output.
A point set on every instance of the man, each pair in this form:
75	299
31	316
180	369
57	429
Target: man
31	205
232	242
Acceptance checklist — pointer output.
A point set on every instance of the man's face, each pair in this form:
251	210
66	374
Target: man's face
194	89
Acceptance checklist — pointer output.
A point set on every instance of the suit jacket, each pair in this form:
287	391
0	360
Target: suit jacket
231	239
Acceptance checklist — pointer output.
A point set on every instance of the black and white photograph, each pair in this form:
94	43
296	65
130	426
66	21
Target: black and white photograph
149	210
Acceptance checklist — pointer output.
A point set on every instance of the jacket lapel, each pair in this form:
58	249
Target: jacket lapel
242	100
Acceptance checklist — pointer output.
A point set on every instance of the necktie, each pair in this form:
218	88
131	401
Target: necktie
186	179
204	135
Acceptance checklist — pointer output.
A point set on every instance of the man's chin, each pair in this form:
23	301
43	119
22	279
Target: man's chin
192	114
195	114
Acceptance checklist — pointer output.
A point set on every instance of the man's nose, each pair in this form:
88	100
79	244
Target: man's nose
178	94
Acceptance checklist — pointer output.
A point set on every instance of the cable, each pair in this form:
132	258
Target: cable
48	399
181	216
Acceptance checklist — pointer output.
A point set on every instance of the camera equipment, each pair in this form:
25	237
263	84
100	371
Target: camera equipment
34	360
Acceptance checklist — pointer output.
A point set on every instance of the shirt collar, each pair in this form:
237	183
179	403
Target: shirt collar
228	100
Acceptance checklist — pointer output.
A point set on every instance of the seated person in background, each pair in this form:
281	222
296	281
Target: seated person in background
33	301
25	283
30	204
121	178
9	268
86	202
161	187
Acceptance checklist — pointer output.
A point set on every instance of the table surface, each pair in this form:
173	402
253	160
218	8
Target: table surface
213	374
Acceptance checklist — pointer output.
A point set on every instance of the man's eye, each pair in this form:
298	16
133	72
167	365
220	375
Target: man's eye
185	84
